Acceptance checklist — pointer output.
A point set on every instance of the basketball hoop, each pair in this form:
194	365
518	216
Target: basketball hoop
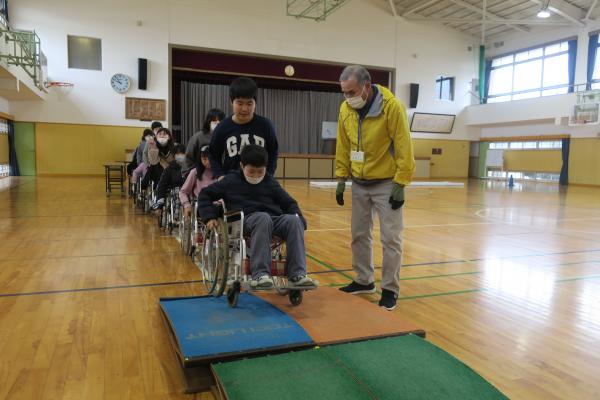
50	84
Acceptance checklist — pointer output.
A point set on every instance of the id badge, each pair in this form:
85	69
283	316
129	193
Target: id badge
357	156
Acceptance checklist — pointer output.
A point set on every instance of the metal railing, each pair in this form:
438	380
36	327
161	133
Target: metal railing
23	49
317	10
577	89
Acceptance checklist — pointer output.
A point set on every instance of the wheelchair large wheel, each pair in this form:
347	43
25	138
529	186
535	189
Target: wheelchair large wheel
215	267
296	297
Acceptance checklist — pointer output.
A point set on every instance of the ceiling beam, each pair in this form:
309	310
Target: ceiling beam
418	7
489	15
493	21
591	10
393	7
565	10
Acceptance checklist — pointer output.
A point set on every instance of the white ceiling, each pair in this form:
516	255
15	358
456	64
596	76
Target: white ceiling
501	16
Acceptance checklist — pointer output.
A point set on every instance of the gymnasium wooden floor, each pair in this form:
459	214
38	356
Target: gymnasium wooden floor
508	282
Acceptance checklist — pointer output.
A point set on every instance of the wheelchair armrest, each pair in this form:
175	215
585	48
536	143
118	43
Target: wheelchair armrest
233	215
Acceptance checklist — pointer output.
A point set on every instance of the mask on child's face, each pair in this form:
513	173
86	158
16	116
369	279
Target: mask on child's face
253	175
254	180
213	125
148	138
162	140
180	158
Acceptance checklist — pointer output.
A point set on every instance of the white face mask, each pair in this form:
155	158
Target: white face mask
213	125
147	138
162	140
357	102
254	181
180	159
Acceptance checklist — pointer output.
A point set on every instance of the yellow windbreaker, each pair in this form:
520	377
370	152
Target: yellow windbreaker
384	139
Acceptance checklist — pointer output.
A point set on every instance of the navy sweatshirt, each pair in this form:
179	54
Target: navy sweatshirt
267	196
229	138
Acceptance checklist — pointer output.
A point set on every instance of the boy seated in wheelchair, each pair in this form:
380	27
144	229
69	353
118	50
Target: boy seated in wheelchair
170	178
269	211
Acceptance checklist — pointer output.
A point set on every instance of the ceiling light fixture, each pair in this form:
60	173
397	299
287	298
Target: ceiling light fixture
544	13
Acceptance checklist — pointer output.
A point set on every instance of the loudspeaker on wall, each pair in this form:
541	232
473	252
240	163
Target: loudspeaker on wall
142	73
414	95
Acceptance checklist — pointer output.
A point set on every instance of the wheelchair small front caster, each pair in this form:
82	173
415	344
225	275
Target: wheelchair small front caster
295	297
233	294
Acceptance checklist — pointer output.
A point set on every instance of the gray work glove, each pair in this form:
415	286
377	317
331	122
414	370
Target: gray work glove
397	197
339	192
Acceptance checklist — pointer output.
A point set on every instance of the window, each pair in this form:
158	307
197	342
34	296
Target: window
543	71
84	52
499	145
596	74
526	176
444	88
4	12
529	145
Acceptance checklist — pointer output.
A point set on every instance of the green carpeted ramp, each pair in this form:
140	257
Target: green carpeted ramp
398	368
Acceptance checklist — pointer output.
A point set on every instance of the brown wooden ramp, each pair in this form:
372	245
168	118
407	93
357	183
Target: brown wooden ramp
330	316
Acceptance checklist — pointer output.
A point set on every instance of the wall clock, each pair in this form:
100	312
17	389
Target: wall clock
120	83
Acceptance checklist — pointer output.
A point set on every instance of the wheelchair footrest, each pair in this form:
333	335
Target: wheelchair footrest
312	287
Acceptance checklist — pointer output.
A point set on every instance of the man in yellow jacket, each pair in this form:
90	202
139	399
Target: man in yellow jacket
375	151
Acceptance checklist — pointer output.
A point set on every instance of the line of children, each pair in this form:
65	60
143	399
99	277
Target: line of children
242	154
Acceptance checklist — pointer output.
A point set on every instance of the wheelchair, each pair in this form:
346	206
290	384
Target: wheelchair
170	215
173	208
225	265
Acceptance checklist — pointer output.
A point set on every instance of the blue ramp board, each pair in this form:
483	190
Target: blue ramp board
206	329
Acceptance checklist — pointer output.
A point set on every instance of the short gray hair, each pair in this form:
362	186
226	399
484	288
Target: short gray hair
358	72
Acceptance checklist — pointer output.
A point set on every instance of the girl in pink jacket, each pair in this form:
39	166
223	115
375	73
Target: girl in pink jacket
197	179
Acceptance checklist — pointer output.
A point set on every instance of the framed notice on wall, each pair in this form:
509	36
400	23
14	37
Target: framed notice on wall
145	109
432	123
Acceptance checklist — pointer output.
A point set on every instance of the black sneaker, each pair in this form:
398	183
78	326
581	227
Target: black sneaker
388	299
357	288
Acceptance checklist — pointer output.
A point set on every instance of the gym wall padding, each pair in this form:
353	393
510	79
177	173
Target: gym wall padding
584	163
71	149
452	163
3	149
533	160
25	147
